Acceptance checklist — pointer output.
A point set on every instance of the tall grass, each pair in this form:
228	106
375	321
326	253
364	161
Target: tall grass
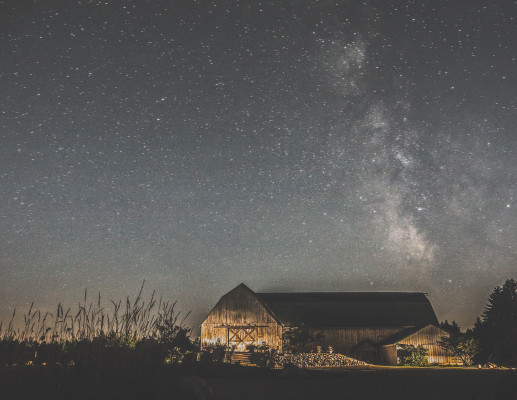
92	333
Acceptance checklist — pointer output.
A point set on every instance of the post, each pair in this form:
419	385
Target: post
228	337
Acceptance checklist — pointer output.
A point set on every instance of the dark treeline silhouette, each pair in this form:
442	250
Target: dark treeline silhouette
496	330
493	340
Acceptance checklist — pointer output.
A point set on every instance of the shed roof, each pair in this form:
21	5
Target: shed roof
359	309
407	333
394	339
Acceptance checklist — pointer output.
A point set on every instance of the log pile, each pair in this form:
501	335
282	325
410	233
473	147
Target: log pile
311	360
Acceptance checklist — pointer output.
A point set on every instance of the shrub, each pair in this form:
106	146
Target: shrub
410	355
299	338
262	355
215	353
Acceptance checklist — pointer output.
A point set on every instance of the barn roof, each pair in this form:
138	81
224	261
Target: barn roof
402	335
339	309
407	333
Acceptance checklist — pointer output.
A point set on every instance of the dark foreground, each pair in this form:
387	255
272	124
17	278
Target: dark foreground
232	382
375	384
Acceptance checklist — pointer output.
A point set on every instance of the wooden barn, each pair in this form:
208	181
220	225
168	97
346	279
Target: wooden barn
370	326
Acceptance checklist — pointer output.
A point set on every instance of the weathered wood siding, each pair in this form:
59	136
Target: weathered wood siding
428	337
358	342
346	340
366	343
388	354
240	311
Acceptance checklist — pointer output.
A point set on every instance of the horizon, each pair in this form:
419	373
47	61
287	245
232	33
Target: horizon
192	322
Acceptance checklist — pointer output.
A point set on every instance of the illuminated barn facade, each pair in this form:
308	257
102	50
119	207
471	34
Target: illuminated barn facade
371	326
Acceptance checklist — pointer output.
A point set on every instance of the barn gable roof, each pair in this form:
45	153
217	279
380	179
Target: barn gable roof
351	309
409	332
259	298
228	310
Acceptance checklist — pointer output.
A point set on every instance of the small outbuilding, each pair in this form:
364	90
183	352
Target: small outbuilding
428	337
370	326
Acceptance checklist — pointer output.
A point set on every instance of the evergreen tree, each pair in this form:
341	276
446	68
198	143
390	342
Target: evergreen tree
451	327
461	344
496	330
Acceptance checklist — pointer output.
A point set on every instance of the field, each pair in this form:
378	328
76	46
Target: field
232	382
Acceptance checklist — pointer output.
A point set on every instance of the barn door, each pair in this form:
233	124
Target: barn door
240	337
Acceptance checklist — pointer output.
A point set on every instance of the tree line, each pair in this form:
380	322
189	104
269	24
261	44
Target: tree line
493	339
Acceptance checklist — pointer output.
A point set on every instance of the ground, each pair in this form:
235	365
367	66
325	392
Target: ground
383	384
248	383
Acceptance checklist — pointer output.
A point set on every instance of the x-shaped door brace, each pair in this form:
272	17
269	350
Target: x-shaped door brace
238	333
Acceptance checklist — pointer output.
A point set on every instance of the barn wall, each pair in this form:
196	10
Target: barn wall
389	354
270	334
349	340
366	343
240	309
428	337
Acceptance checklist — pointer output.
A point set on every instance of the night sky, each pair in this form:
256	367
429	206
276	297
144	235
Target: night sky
291	145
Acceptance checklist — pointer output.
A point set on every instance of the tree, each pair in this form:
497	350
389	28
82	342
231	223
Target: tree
461	344
496	330
451	327
298	338
414	356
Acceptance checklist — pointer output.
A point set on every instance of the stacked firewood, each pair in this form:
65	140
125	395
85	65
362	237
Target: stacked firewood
311	360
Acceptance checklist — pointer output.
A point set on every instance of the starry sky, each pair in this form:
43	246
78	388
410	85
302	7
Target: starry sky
291	145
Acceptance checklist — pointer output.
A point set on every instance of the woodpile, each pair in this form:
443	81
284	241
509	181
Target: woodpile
311	360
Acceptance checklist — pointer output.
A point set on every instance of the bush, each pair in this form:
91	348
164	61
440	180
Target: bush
214	354
262	356
413	356
299	338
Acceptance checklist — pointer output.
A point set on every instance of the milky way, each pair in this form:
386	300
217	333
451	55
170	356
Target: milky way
299	145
